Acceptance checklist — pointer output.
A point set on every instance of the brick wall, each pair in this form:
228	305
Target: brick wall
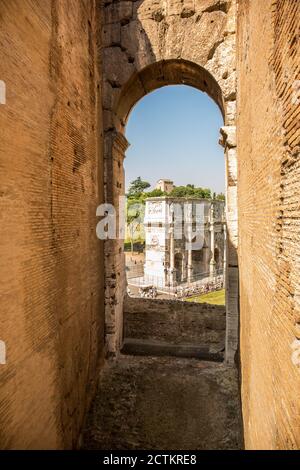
51	261
269	230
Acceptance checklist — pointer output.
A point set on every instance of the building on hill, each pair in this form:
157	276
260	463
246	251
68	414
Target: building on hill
165	185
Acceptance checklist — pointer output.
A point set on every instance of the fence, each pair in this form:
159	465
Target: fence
200	283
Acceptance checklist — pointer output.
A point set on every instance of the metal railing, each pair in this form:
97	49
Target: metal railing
200	283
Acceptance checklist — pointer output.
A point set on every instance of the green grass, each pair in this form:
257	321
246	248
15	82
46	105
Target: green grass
216	298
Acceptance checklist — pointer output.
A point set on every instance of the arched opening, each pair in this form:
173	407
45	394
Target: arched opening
160	74
164	73
173	132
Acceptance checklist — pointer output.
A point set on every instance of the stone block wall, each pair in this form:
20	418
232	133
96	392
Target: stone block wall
268	140
175	322
52	313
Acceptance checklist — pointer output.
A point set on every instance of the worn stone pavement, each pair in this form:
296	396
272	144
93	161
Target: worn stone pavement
164	403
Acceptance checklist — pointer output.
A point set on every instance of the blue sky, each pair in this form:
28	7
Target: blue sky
174	133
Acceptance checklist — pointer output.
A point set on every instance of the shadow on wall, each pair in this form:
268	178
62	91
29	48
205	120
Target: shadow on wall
232	302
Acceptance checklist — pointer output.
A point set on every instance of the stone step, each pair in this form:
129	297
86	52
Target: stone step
143	347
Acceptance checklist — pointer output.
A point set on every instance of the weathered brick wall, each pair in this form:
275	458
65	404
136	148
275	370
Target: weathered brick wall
51	261
175	321
269	230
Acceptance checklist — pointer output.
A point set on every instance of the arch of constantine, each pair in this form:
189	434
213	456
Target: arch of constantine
184	241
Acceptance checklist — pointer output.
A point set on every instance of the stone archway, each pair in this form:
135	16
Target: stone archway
148	45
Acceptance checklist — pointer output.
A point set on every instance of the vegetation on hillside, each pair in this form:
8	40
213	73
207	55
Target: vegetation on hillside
137	192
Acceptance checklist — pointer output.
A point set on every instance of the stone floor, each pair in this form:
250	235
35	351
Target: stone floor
164	403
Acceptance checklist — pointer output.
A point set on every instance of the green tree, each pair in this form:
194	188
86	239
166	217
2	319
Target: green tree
190	191
204	193
155	193
135	211
182	191
133	226
137	187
